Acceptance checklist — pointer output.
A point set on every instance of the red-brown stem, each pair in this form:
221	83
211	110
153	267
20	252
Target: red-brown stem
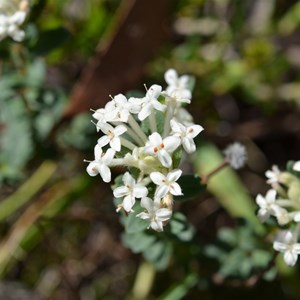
206	177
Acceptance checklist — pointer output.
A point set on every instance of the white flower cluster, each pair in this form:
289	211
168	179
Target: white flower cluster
236	155
12	16
146	135
283	202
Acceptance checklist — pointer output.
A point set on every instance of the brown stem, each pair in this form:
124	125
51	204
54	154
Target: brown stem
206	177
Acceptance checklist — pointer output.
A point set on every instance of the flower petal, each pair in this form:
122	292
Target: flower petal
145	112
155	139
165	158
158	106
157	225
163	214
143	216
177	127
158	178
174	175
175	189
154	91
278	246
103	141
296	166
115	144
128	179
188	145
261	201
128	203
194	130
290	258
119	130
161	191
98	152
105	172
121	191
171	77
171	143
92	169
108	156
147	203
271	195
140	191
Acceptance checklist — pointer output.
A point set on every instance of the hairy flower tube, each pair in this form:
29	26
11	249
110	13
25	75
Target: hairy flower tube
282	202
147	136
12	16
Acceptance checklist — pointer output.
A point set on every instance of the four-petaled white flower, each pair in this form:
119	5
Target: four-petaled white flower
186	134
273	175
286	243
130	190
112	136
178	97
150	102
155	214
166	183
177	83
162	148
267	205
9	26
101	163
296	166
120	108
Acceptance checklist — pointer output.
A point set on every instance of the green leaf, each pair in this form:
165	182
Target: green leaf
227	236
181	228
138	242
50	40
181	289
226	186
191	187
134	224
159	253
260	258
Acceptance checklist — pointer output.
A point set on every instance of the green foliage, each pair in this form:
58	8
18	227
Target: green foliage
191	187
240	253
156	247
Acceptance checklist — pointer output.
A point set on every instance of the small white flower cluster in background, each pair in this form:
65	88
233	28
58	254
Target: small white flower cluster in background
12	16
236	155
146	135
282	201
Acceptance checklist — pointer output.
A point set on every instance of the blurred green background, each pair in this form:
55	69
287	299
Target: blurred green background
60	236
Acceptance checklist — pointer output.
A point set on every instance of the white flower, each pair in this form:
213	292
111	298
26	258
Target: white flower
236	155
121	108
112	136
150	102
100	164
273	175
9	26
176	83
186	134
101	116
296	166
267	205
287	245
162	147
282	215
166	183
130	191
155	214
178	96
